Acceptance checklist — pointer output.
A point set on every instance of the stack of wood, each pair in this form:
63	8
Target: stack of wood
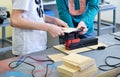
75	65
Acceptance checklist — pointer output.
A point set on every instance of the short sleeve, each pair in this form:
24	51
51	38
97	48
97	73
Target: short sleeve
20	4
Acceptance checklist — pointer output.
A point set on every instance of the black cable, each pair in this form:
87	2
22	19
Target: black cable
31	64
118	75
111	66
103	47
12	67
112	45
43	61
102	67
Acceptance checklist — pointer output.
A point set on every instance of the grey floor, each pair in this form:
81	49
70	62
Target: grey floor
51	42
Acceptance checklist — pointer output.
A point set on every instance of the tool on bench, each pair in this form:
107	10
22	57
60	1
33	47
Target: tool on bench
73	41
4	14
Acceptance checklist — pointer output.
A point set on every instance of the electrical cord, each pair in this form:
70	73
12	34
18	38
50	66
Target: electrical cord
103	47
23	61
118	75
111	66
107	64
12	67
112	45
43	61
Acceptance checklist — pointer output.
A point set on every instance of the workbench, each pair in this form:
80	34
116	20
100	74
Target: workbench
98	55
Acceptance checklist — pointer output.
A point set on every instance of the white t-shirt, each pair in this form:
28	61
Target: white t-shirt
28	41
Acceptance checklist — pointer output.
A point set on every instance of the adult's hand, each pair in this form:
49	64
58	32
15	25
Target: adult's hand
83	26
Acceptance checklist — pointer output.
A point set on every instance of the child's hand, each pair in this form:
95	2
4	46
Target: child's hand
61	23
55	30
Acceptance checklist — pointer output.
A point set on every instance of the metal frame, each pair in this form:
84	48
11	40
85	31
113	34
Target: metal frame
107	25
5	49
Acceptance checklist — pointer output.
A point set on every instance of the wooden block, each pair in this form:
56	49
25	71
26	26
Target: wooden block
78	61
89	72
64	75
56	57
81	67
110	73
68	30
67	70
78	50
62	49
71	72
71	65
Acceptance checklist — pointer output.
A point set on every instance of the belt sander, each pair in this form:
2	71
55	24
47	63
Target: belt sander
71	40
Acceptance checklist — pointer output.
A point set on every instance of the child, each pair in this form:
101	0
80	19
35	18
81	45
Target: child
30	25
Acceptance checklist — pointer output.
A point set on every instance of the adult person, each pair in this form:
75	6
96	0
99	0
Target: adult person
79	14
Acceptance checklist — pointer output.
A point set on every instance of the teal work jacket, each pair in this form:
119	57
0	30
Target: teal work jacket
72	20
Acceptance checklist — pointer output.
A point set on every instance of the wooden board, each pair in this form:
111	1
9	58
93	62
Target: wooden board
68	30
78	61
56	57
78	50
71	72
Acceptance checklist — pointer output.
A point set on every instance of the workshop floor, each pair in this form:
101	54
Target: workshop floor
51	42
